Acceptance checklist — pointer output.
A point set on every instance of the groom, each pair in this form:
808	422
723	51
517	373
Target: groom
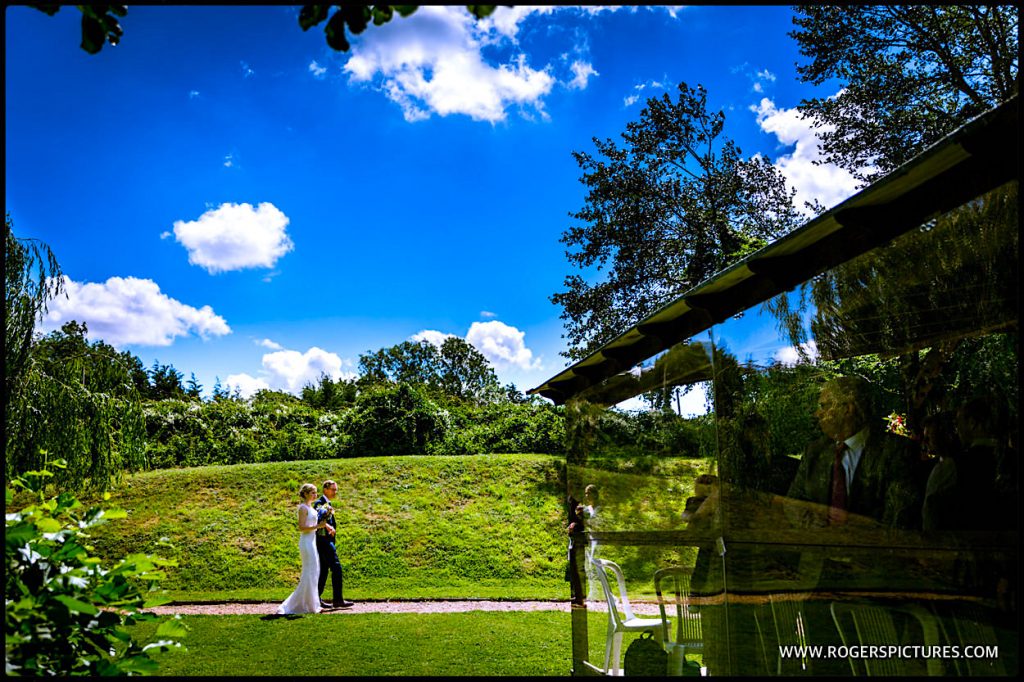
325	547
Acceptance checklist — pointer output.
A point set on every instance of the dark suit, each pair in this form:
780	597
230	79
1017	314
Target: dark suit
883	485
328	553
883	488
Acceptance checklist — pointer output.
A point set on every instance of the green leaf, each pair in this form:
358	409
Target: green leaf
93	35
76	605
172	628
382	14
311	15
335	32
357	17
21	534
49	8
47	525
481	11
405	10
156	600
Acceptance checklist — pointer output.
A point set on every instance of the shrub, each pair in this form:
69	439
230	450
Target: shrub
65	614
395	419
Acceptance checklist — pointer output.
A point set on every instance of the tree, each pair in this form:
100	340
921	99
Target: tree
32	277
672	207
62	395
100	25
414	362
456	369
166	382
909	75
328	394
193	389
465	373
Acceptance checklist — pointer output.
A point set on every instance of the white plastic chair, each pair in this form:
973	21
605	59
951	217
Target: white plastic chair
687	636
617	624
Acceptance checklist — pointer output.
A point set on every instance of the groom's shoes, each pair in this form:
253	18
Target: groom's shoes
343	604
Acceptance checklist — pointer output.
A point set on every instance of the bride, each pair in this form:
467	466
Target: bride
306	597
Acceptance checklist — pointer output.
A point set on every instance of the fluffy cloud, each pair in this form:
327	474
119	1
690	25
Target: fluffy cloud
290	370
245	384
272	345
431	62
789	355
502	344
127	310
488	315
827	183
317	70
432	336
235	236
228	162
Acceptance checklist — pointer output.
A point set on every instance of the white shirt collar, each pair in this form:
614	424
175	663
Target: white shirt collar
851	458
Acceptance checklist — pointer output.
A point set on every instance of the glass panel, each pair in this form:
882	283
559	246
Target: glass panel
850	481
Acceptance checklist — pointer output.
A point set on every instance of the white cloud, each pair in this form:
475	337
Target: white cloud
789	356
272	345
128	310
631	99
502	344
317	70
827	183
487	314
582	71
192	94
290	370
431	62
432	336
234	237
246	70
247	385
228	161
766	75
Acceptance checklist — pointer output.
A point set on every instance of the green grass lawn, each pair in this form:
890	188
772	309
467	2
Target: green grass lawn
487	526
449	644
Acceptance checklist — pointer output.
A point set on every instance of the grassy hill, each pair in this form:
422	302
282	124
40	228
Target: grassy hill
431	527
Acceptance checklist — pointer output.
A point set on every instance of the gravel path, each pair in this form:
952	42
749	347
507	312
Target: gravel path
439	606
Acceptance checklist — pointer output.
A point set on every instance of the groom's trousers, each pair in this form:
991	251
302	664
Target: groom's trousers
329	562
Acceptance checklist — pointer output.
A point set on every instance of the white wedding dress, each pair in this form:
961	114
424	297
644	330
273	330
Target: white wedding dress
306	597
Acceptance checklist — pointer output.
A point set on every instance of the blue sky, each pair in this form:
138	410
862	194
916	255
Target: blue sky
227	194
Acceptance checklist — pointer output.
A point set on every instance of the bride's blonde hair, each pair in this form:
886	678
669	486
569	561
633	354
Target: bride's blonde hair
306	489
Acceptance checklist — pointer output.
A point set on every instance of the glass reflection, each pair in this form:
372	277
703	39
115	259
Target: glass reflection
853	480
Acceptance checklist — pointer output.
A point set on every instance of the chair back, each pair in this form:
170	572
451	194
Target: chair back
861	624
672	585
604	568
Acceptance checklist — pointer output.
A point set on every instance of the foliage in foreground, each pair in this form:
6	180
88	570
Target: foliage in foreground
66	613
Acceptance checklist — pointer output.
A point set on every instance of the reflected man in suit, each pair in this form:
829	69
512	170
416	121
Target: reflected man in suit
858	467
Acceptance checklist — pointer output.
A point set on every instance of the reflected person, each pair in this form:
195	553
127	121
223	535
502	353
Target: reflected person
857	468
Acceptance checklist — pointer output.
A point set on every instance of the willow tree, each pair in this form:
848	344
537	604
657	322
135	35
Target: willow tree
64	398
673	206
